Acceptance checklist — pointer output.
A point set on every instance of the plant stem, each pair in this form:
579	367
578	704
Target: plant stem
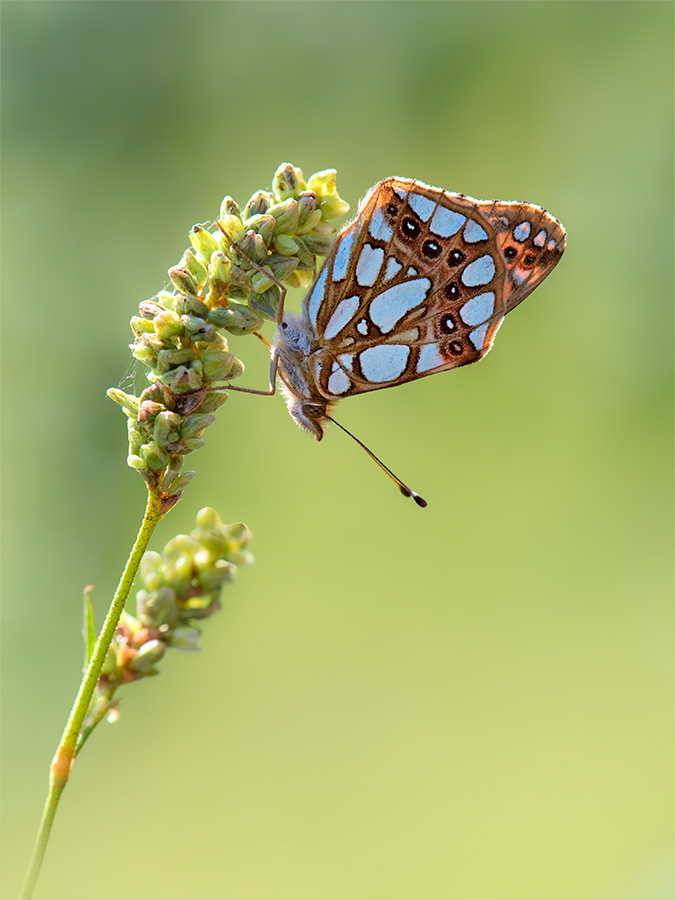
65	753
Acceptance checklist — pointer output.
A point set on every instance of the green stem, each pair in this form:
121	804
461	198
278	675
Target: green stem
65	753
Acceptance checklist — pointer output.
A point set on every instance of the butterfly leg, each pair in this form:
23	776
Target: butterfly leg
274	364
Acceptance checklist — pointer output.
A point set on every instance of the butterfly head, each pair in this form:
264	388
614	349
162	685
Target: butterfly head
293	345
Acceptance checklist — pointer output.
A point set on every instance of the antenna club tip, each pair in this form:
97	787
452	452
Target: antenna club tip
420	501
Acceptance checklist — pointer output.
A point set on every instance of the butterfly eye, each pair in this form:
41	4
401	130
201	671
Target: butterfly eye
455	347
410	228
431	249
451	291
510	253
455	257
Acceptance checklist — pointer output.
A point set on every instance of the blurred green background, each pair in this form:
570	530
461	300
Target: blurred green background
471	702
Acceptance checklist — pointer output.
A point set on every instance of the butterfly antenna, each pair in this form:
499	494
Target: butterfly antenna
403	488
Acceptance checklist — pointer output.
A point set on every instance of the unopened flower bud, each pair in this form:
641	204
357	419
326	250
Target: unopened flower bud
258	204
149	309
285	245
183	280
282	266
197	329
169	359
323	183
193	426
168	324
150	653
318	244
310	222
285	215
288	181
253	247
197	269
230	207
220	267
332	206
127	402
303	253
236	318
262	225
203	242
233	228
185	638
154	457
261	282
167	428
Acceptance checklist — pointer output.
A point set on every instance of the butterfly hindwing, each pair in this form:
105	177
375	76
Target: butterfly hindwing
419	283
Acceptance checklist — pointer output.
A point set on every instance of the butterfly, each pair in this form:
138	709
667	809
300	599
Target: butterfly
418	282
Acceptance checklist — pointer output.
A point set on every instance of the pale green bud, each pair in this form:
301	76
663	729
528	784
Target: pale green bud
126	401
233	228
212	578
197	329
285	215
167	428
220	267
311	221
323	183
238	532
216	364
197	269
288	181
135	462
241	558
303	253
191	306
154	457
262	225
150	653
260	282
194	443
267	303
149	308
285	245
168	324
194	425
208	518
258	204
230	207
183	280
151	569
212	401
140	325
185	638
183	380
169	359
178	485
110	663
282	266
236	318
235	369
204	243
253	247
333	206
306	205
301	278
318	244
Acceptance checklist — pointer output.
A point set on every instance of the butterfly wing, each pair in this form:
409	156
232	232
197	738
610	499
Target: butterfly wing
419	282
